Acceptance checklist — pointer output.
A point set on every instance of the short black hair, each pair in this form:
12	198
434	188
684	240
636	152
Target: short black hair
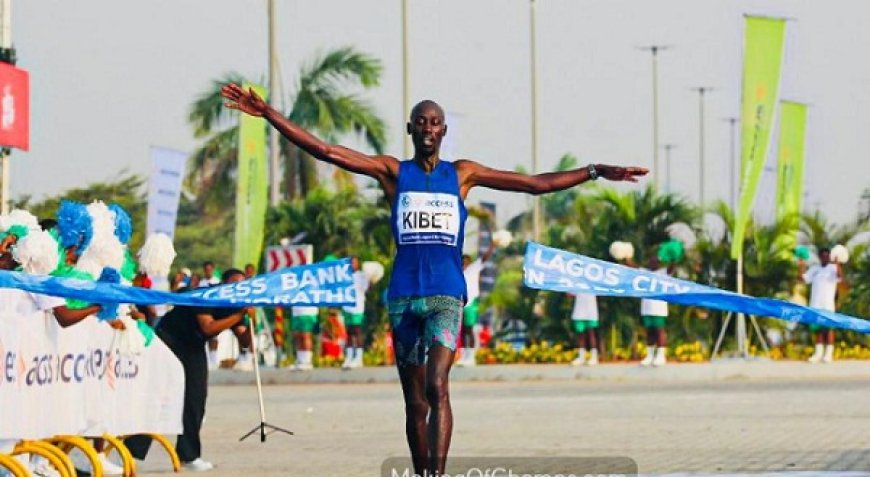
47	224
229	273
207	263
824	250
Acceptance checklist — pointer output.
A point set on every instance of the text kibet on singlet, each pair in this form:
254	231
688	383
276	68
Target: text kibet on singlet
428	223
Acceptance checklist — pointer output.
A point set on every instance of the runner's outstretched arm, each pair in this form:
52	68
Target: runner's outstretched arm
474	174
380	168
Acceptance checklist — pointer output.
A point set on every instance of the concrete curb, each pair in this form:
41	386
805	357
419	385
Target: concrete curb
720	370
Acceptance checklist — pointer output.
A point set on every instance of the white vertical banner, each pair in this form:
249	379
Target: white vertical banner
164	189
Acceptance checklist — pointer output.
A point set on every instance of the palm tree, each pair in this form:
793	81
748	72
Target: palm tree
319	104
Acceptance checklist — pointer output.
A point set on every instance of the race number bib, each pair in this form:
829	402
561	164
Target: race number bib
428	218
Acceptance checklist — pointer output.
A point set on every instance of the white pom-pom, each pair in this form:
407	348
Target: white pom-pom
19	217
156	256
621	250
102	219
105	250
88	263
37	253
502	238
681	232
840	254
373	271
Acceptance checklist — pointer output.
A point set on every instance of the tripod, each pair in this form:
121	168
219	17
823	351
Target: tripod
742	344
263	424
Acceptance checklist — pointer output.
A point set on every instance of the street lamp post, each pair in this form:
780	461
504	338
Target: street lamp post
655	49
406	98
536	203
274	102
732	121
6	45
702	90
668	148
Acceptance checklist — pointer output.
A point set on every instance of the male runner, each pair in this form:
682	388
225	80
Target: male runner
427	290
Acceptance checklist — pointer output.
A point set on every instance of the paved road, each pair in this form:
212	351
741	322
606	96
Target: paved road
720	427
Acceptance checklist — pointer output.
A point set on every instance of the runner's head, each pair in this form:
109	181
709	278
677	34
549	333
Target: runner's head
825	255
250	271
426	127
354	263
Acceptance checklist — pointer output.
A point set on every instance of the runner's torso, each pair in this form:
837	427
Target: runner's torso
428	224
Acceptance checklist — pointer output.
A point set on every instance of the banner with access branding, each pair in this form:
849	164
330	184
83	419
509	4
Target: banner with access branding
164	190
790	176
552	269
14	107
79	381
427	218
762	62
251	188
320	284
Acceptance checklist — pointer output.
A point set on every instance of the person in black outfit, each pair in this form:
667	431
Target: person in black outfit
185	330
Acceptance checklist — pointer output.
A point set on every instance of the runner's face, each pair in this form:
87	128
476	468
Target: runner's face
427	128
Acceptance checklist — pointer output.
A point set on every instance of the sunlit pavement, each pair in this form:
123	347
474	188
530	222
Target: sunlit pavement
736	426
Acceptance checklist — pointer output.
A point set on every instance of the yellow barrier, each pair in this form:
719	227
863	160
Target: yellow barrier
55	456
126	458
169	448
11	464
67	443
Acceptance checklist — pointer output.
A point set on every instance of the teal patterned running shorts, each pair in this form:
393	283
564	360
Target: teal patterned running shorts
420	323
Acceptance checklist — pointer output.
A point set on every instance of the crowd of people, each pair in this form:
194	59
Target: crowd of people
341	331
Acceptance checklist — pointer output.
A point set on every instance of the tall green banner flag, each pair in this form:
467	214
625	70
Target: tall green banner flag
790	175
762	62
251	188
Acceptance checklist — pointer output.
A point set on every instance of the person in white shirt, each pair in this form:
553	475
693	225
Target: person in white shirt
584	316
471	270
354	317
823	279
654	314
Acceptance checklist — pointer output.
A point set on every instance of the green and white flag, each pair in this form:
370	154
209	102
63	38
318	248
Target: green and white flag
251	188
790	175
762	62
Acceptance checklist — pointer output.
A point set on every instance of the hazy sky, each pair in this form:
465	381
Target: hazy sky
111	78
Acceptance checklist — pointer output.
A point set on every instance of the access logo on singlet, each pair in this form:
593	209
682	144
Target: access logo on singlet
427	218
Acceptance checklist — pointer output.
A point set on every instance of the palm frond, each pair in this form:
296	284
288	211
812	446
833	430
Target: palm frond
207	111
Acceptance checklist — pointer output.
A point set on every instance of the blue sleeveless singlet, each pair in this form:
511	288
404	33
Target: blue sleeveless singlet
428	223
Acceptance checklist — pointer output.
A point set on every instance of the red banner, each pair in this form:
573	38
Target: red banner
14	107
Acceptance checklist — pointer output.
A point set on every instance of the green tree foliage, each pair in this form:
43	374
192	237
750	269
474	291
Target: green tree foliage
320	103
